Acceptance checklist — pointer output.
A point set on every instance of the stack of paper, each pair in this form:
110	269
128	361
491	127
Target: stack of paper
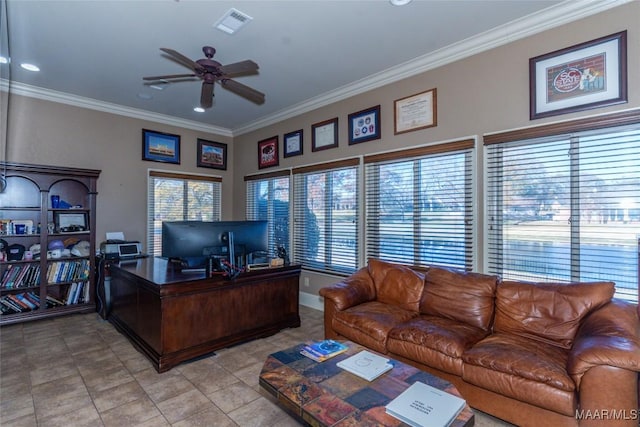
366	365
422	405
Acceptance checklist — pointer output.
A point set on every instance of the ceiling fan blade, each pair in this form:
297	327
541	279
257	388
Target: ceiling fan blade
243	90
170	76
187	62
206	97
242	67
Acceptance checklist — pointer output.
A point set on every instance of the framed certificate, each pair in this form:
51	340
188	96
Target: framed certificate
415	112
293	143
324	135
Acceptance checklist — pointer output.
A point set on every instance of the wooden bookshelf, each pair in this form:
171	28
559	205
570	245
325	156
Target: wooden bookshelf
47	286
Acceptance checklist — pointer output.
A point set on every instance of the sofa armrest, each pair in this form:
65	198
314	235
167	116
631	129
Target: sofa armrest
610	336
353	290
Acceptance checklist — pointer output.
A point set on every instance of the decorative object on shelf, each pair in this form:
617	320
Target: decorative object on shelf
66	222
293	143
160	147
415	112
364	125
55	201
588	75
212	154
268	152
324	135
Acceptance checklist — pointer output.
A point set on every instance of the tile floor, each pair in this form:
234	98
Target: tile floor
78	370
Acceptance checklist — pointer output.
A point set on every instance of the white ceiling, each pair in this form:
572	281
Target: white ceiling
95	53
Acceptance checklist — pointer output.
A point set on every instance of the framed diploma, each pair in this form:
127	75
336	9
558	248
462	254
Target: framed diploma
293	143
324	135
415	112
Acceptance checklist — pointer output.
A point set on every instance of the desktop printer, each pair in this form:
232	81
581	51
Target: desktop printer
112	249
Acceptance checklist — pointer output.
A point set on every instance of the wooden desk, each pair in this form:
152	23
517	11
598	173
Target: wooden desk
172	316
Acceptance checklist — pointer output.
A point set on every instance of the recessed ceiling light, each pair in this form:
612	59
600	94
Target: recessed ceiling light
399	2
145	96
29	67
157	87
4	60
198	110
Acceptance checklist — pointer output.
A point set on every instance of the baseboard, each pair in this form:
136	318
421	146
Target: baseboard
312	301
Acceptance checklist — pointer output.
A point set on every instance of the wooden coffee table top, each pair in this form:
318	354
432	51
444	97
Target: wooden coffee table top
322	394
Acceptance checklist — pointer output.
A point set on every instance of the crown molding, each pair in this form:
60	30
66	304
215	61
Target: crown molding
107	107
554	16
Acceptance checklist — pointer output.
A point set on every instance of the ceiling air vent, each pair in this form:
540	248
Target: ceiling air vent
232	21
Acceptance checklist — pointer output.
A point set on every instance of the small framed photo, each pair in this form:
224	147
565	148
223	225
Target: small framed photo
324	135
268	152
160	147
415	112
212	154
364	125
66	222
588	75
292	143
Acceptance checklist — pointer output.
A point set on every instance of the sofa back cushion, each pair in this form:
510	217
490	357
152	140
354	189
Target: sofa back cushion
396	284
462	296
548	312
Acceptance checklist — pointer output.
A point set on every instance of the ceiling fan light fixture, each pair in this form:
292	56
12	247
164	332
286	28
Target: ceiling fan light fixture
232	21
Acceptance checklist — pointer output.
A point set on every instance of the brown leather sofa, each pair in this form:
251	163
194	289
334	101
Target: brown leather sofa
532	354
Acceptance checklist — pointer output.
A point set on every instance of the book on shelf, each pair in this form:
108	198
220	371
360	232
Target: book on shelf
366	365
323	350
422	405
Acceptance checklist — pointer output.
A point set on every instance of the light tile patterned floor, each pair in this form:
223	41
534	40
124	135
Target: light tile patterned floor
78	370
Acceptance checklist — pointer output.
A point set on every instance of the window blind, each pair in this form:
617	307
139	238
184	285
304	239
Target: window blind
566	207
178	197
268	199
420	205
326	216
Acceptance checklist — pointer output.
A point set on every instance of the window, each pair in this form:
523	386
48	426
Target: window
268	199
178	197
420	206
566	207
326	216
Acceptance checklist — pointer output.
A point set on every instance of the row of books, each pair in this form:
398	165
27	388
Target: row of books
68	271
28	275
23	302
20	276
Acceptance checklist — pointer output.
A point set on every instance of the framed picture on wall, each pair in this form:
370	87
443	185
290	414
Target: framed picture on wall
292	143
268	152
160	147
212	154
364	125
588	75
415	112
324	135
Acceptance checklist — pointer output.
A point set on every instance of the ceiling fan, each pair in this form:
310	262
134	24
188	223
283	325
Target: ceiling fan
211	71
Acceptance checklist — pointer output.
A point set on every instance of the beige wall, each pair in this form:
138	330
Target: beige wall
43	132
481	94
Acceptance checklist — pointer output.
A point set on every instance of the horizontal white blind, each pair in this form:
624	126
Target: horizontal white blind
326	216
567	208
178	197
268	199
420	206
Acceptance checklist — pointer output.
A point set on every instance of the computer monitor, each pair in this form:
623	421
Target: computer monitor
193	242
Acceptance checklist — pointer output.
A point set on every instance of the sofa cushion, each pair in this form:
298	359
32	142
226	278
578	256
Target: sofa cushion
396	284
436	341
458	295
548	312
523	369
369	323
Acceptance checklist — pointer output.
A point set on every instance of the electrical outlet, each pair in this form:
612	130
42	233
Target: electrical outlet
306	282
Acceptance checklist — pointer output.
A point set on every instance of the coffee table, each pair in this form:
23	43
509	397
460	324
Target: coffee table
322	394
